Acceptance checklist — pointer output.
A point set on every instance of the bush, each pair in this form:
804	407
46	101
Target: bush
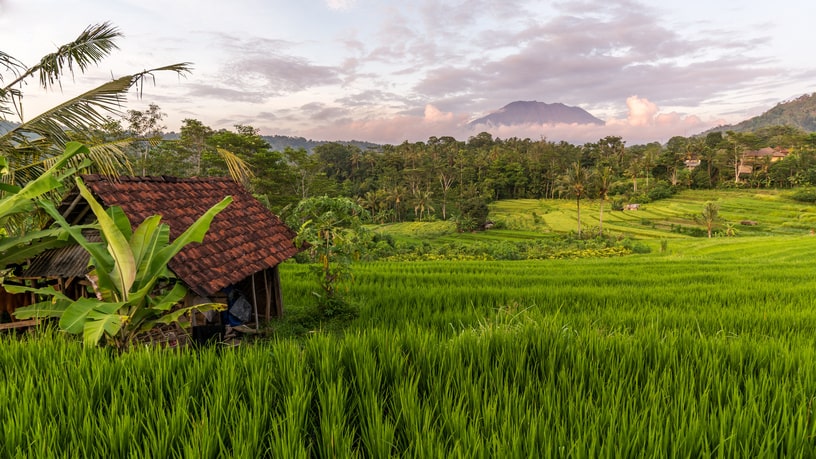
805	195
661	190
473	214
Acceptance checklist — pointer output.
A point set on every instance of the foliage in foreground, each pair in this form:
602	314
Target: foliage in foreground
706	350
517	386
18	201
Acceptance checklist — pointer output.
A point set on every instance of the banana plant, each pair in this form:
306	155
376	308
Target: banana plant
134	289
16	201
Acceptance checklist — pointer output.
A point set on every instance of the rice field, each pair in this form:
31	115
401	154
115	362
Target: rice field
705	350
772	211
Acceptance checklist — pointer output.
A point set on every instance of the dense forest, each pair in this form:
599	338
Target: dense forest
445	178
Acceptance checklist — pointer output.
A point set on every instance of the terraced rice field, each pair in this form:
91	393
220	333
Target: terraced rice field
707	349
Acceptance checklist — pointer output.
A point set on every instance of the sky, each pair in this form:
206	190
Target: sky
392	71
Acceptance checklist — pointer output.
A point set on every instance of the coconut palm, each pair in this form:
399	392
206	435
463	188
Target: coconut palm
30	146
603	178
709	216
575	182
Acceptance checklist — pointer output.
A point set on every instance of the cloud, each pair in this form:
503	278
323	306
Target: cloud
394	129
641	111
269	67
594	54
643	123
340	4
205	91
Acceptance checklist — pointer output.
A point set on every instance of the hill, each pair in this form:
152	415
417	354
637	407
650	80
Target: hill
533	112
281	142
799	112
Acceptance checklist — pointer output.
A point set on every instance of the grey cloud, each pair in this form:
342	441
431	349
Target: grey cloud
266	116
319	111
599	52
267	67
371	97
215	92
280	74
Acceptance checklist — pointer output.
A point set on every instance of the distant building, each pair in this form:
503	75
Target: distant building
756	160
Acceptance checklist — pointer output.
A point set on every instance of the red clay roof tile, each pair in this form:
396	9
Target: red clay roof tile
244	238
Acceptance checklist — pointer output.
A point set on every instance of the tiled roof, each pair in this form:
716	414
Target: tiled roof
243	239
65	262
767	151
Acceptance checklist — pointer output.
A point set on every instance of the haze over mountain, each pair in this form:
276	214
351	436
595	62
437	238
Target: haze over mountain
534	112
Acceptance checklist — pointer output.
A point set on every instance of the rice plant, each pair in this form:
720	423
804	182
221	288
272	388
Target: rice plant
708	352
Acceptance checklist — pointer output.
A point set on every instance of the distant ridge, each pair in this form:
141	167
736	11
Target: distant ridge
281	142
533	112
799	112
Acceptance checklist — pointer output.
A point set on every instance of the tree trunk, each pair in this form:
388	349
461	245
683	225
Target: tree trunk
578	202
600	220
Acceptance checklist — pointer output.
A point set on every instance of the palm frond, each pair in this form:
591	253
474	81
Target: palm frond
239	170
11	64
7	94
90	47
110	158
80	114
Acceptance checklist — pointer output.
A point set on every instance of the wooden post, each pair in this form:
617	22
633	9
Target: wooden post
255	303
276	285
268	294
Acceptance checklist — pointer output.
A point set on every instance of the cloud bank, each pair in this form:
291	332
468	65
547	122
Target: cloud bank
643	123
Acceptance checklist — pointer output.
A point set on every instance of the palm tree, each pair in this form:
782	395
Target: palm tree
32	144
397	196
422	203
603	177
576	181
709	216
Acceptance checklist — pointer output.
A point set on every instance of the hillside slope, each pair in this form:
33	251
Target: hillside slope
800	112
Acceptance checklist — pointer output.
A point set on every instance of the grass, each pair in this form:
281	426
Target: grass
707	348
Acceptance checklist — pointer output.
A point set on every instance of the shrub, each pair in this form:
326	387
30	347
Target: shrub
661	190
473	214
805	195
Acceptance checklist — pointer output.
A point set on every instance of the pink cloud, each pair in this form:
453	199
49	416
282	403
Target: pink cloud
643	123
394	130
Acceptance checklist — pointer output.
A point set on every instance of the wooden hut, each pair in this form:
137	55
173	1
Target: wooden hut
242	249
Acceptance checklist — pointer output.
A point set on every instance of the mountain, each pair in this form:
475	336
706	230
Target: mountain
533	112
799	112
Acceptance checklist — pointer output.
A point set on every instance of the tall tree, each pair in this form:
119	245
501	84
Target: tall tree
146	130
194	138
738	142
603	180
576	182
673	157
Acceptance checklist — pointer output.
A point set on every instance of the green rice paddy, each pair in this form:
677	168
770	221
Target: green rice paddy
705	349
